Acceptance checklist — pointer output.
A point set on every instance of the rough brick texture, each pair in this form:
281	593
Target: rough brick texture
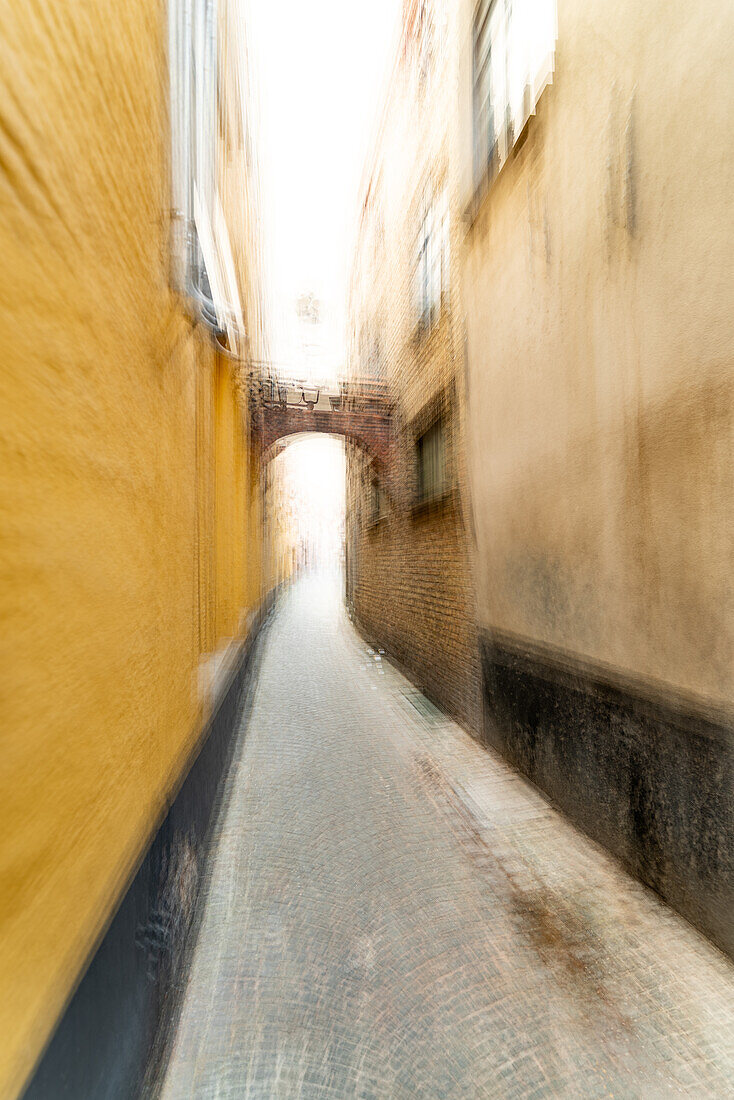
409	565
363	419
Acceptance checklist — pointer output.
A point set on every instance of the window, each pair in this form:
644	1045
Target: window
193	75
203	264
377	501
513	42
431	449
431	272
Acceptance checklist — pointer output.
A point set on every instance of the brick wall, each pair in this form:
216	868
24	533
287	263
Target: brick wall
409	568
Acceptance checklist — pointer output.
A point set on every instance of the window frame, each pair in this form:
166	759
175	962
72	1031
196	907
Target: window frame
527	34
193	75
377	501
437	489
487	143
432	259
203	270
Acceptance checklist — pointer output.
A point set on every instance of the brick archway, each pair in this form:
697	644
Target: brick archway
362	415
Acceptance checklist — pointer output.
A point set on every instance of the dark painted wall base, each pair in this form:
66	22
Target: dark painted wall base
114	1026
649	778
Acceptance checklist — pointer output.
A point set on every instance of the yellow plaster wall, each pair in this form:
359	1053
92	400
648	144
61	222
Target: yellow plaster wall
281	530
127	548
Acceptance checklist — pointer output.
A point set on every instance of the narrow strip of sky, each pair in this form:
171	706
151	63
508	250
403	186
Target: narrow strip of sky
320	68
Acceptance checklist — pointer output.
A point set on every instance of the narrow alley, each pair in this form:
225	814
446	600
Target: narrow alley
392	912
367	451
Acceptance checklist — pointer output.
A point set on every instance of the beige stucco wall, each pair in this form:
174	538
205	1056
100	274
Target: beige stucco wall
598	284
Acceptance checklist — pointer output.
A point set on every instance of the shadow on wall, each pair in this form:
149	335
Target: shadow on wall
112	1040
649	778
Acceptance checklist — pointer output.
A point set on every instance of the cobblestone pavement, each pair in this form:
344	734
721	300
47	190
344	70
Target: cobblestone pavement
393	912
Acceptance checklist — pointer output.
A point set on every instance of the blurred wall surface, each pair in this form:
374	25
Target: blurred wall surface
129	497
282	540
408	531
597	271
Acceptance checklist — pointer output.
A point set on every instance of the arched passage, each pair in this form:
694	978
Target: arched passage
369	430
304	500
361	416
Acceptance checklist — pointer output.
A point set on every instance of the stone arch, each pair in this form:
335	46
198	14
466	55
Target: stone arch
369	430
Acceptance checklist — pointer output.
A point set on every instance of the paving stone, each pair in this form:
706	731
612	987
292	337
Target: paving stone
393	912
